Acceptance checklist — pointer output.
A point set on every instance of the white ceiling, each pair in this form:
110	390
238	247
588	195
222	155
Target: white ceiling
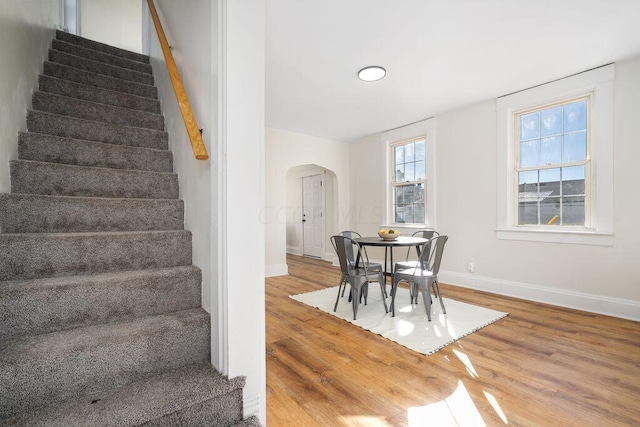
439	55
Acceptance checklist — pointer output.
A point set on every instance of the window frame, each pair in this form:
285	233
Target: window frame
587	163
598	230
394	184
425	129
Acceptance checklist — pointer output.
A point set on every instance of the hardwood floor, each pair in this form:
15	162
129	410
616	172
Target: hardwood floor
540	366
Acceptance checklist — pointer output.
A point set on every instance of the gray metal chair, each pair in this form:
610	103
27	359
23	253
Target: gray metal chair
427	233
358	278
424	276
358	262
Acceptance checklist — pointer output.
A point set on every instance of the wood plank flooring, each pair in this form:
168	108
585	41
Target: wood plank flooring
540	366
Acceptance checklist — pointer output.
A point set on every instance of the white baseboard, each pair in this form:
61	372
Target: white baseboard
272	270
294	250
617	307
251	406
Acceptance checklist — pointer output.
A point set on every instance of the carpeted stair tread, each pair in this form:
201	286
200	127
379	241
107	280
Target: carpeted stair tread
39	255
40	306
56	149
77	362
71	127
96	55
92	93
99	67
91	110
91	44
61	71
64	214
55	179
178	397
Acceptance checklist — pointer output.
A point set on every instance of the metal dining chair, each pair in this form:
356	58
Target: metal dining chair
353	260
358	278
424	276
427	233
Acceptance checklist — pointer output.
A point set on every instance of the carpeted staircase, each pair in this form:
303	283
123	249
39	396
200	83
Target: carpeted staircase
100	314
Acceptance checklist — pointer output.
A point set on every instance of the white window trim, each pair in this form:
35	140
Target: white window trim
426	129
599	82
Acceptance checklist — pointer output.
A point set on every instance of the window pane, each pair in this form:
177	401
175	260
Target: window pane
528	182
528	213
418	213
573	180
409	172
549	182
398	195
408	152
575	116
551	121
420	150
575	147
400	173
529	153
399	155
418	194
550	211
551	150
573	210
529	126
420	171
402	213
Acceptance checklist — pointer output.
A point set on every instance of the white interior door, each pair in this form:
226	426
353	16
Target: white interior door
312	215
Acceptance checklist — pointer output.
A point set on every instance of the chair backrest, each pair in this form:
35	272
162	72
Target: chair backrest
427	233
342	244
432	253
349	248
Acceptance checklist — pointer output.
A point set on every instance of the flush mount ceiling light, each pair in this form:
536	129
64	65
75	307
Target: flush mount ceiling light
371	73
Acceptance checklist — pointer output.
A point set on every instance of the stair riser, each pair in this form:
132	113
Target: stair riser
50	214
54	149
70	127
99	68
101	47
62	180
88	110
98	80
98	56
33	256
222	411
50	305
95	94
90	367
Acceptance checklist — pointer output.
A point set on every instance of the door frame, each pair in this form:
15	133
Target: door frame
323	226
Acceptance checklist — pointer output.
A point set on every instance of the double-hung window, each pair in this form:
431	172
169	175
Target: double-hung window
552	165
555	161
408	177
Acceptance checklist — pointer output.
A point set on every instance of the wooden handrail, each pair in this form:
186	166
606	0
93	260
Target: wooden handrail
195	136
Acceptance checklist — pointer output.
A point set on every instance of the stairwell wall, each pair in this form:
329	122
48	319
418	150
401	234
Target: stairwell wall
188	30
26	30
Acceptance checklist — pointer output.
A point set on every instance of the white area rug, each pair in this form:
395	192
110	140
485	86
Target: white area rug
409	327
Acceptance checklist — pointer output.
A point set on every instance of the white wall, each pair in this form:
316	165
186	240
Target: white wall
219	47
285	150
594	278
26	31
114	22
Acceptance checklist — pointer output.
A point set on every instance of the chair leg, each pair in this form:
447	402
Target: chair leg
383	290
355	300
436	291
340	287
426	297
394	288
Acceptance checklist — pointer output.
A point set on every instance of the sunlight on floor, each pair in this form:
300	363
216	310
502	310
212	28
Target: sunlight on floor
467	362
404	328
496	406
456	410
364	421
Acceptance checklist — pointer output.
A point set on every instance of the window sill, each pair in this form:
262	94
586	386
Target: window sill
560	236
